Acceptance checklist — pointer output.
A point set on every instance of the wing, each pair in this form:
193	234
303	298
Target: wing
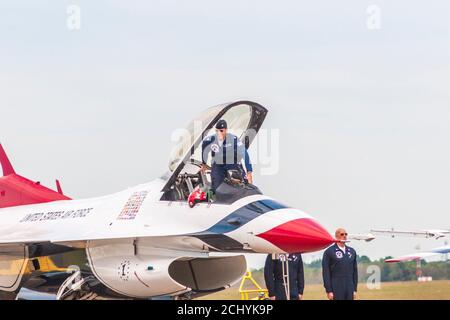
421	255
431	233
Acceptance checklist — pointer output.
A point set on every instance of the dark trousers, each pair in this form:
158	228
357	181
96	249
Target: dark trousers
218	172
280	293
343	288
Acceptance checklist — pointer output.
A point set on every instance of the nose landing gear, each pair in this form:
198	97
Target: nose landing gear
75	288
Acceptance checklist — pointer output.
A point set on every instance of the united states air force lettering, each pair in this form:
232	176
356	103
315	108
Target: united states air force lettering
56	215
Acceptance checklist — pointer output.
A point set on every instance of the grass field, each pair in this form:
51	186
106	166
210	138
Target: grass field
409	290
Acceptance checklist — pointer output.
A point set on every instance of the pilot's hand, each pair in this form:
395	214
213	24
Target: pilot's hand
250	177
300	297
203	168
355	296
330	295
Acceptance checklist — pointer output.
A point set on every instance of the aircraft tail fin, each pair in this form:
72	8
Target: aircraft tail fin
6	164
58	187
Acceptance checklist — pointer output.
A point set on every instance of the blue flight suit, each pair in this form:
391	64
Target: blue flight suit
273	275
225	156
340	272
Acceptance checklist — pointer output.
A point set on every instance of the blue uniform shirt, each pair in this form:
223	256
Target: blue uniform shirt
340	271
230	151
273	276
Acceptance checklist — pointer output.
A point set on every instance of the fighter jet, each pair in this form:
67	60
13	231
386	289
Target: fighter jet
426	233
147	241
444	250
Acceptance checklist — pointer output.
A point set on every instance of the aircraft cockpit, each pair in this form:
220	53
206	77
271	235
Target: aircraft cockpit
244	120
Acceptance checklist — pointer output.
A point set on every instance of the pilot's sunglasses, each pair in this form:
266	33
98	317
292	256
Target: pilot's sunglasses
344	234
221	130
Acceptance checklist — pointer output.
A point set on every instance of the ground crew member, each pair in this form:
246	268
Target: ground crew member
273	275
339	269
227	154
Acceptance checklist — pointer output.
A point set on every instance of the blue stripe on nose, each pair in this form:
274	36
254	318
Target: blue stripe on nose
243	215
214	236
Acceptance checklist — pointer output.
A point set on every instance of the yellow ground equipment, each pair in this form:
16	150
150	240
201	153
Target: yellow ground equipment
261	294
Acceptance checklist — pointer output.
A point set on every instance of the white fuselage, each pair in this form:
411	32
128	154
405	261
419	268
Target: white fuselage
132	237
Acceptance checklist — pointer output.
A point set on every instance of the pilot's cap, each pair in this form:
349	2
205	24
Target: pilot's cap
221	124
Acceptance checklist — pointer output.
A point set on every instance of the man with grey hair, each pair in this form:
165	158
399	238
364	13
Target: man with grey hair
339	269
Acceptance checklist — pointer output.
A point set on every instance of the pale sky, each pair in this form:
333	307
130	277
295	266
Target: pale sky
363	114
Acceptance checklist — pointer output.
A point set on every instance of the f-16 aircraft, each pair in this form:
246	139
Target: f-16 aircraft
421	255
147	241
367	237
427	233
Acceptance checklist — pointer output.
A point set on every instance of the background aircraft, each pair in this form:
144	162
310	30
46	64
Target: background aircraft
421	255
427	233
418	256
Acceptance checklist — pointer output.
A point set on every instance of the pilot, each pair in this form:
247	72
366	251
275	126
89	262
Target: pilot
227	153
339	269
273	275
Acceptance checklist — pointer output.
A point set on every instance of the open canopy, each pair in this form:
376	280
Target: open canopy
244	119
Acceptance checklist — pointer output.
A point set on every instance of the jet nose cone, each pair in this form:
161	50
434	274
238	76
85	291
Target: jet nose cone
299	235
